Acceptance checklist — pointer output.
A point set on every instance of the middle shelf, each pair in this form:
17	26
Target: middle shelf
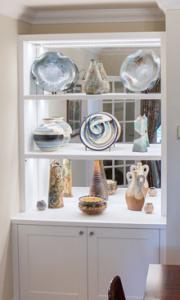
77	151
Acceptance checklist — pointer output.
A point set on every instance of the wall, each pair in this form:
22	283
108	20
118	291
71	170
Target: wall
173	145
98	27
9	185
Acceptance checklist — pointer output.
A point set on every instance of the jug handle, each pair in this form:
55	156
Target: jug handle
129	176
145	170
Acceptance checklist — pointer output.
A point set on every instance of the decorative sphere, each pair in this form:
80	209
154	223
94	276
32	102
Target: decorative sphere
41	205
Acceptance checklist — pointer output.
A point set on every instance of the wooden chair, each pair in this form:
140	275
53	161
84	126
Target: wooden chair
116	291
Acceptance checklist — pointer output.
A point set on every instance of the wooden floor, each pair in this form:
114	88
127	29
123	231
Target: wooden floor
163	283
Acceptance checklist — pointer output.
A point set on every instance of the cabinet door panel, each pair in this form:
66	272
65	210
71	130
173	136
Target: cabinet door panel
53	263
124	252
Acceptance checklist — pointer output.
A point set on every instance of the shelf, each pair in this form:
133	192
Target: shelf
83	96
116	214
121	151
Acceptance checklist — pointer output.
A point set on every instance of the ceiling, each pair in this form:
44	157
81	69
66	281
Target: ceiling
26	9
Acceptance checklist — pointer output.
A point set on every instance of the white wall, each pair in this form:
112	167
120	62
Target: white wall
9	184
173	145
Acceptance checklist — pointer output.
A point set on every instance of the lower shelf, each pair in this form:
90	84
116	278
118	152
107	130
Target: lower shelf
116	214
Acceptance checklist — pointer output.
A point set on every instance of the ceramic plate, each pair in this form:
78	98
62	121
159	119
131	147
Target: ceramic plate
100	131
54	72
140	71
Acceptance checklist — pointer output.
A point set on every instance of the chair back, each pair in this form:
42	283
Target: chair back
116	291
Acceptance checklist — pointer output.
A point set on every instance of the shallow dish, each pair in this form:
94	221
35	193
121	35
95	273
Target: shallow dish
54	72
100	131
140	70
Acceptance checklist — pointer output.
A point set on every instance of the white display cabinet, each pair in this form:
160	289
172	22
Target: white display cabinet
50	247
36	104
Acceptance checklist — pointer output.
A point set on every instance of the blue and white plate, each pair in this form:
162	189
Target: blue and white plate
100	131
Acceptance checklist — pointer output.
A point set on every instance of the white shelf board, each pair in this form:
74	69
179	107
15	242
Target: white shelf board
108	96
116	214
77	151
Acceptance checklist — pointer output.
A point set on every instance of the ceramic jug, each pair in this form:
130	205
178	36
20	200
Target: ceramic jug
56	185
99	186
134	194
93	82
142	170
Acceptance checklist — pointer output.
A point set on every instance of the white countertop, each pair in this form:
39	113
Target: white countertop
116	214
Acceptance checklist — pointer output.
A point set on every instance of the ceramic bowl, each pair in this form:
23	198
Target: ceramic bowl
92	205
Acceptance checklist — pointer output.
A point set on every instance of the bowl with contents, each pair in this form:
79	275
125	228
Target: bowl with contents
91	205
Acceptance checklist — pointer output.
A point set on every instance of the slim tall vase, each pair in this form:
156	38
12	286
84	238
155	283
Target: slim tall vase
67	170
56	185
99	184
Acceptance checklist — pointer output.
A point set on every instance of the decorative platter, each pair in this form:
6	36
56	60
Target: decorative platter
100	131
140	70
54	72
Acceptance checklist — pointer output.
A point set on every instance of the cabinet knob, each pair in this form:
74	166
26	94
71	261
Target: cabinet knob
81	232
91	233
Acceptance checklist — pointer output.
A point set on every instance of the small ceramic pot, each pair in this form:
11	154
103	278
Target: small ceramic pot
92	205
148	208
152	192
112	186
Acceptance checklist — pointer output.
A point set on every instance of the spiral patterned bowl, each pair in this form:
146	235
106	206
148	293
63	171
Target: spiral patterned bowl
100	131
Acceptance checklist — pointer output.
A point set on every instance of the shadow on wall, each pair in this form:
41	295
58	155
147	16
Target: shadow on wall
6	290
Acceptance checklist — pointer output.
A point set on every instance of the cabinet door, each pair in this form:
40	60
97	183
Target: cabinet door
52	263
124	252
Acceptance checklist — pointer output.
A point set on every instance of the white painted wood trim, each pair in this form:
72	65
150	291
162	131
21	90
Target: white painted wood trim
15	261
97	16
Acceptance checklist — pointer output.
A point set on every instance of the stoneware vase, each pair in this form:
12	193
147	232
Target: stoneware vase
67	130
67	171
99	183
93	82
142	170
141	141
106	84
134	193
56	185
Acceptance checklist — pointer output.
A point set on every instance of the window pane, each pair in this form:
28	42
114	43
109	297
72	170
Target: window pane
119	177
129	132
108	173
130	111
107	107
119	162
118	87
107	162
118	111
120	140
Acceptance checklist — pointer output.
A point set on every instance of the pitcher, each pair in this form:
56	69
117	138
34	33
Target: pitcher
134	194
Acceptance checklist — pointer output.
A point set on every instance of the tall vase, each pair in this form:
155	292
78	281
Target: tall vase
93	81
140	135
99	183
67	171
134	193
56	185
106	84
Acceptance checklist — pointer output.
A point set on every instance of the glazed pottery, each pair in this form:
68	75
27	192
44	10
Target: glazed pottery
142	170
66	127
112	186
106	84
148	208
140	135
100	131
92	205
93	82
67	171
99	184
41	205
54	72
56	185
134	194
140	70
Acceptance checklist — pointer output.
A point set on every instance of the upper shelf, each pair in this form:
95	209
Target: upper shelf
108	96
121	151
